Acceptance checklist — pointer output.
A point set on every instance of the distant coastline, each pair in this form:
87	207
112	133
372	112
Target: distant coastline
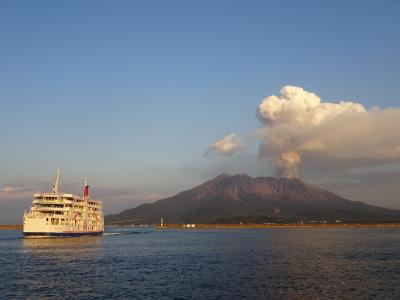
287	225
10	227
239	226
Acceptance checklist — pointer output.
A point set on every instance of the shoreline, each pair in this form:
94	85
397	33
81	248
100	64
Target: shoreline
248	226
11	227
288	225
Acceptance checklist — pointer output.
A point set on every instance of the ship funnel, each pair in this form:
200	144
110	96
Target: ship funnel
86	189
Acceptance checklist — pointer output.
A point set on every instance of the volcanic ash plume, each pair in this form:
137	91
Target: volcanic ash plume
298	123
288	163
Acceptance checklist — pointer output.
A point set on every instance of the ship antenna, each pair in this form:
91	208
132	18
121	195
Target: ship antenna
55	186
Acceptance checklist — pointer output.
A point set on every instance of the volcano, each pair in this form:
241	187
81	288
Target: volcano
238	198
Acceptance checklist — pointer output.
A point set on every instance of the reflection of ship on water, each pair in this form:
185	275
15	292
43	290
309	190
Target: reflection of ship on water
60	214
61	248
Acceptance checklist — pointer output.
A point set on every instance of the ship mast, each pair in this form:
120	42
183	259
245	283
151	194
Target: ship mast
55	186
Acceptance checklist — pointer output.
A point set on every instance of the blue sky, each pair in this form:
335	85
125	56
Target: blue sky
131	93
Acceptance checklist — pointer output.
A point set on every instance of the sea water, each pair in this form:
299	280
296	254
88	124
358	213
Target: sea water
147	263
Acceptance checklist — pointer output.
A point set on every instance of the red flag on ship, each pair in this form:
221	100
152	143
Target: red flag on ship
86	191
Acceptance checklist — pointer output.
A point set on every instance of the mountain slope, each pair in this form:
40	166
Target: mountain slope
229	196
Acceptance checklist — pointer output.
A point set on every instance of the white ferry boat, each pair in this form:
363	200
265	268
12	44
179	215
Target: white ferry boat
60	214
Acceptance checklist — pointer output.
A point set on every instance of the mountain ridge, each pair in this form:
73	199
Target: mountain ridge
230	196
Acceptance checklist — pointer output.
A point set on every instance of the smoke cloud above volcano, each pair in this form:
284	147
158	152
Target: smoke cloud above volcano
298	124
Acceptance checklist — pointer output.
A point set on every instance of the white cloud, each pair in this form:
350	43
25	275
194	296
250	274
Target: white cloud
7	190
14	191
227	146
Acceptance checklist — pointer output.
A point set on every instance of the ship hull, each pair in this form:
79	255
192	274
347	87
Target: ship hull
63	234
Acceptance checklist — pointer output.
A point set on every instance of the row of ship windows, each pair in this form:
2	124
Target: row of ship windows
66	205
56	221
65	213
70	199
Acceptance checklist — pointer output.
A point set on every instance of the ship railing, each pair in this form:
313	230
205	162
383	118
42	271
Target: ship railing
41	200
36	215
38	208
